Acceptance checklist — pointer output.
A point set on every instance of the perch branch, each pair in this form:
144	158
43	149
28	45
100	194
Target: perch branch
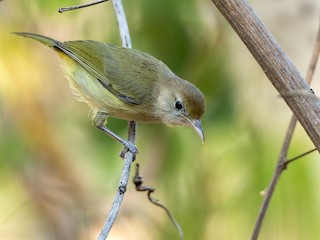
128	156
122	23
118	198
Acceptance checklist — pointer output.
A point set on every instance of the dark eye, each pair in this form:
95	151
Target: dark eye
178	105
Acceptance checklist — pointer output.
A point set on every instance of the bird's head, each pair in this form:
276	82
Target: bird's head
181	103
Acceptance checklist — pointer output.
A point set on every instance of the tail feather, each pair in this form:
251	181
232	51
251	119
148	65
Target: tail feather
42	39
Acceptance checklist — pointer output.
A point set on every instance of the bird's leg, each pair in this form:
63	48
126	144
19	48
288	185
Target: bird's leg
131	137
99	120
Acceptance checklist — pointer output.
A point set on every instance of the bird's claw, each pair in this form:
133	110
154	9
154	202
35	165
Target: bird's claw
128	146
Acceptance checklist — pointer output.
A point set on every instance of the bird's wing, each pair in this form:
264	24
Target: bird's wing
127	73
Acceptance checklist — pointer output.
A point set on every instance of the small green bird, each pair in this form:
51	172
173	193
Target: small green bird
127	84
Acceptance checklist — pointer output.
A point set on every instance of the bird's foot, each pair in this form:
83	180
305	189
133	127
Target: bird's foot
128	146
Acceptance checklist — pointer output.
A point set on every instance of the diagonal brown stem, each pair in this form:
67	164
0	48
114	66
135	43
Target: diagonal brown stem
277	172
282	74
275	63
282	162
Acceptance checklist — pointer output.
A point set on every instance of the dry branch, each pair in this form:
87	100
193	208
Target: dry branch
285	78
282	160
274	62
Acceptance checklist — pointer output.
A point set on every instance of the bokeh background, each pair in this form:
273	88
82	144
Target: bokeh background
58	174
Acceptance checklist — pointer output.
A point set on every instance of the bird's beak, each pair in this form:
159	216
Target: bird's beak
196	125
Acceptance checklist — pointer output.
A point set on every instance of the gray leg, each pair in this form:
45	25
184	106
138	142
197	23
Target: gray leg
99	120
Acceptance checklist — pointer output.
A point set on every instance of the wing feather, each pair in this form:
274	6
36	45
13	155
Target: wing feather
127	73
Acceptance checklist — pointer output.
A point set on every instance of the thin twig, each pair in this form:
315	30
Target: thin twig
277	172
65	9
300	156
282	162
314	57
128	156
137	180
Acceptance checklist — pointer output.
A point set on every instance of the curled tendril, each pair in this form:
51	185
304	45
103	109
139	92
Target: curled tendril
137	180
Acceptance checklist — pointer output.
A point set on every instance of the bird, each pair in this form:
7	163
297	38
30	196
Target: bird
127	84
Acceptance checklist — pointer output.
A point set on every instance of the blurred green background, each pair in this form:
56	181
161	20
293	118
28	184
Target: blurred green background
58	174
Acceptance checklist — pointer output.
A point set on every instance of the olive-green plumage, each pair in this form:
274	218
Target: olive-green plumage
127	83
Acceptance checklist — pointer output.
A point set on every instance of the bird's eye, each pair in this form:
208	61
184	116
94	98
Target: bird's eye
178	105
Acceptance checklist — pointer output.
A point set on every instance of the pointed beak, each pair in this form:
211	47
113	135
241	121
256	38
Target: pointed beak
196	125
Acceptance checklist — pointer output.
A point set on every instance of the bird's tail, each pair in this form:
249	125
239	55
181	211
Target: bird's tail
44	40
